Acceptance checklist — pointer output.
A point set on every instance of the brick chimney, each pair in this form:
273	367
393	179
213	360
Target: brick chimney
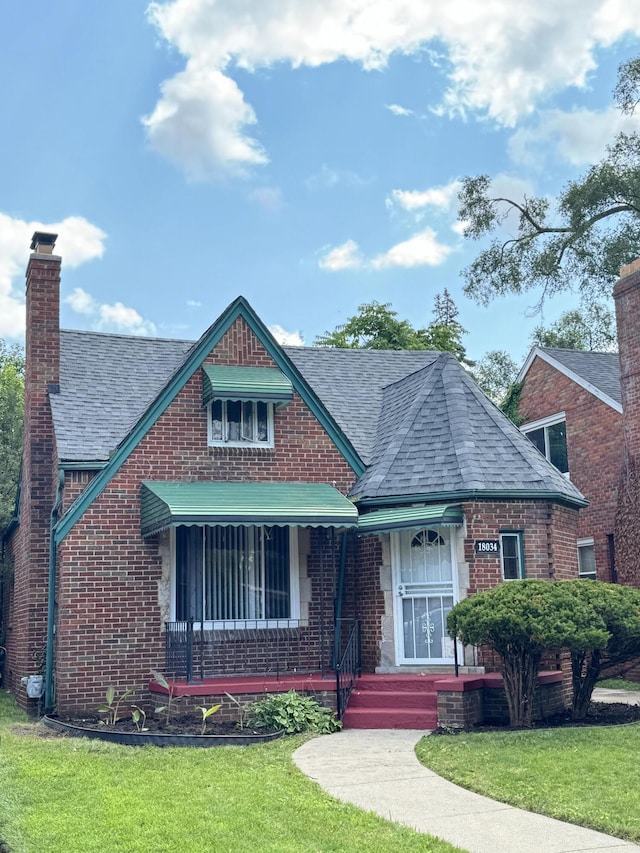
626	294
30	546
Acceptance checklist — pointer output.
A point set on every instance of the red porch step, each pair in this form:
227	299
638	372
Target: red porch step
392	702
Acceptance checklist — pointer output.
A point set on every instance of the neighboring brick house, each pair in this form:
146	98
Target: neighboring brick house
228	507
572	410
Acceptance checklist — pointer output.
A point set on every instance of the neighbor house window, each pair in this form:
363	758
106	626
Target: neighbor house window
240	422
586	559
511	555
550	437
242	575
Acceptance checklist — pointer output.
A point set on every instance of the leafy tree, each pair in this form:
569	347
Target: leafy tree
592	328
580	241
520	620
617	607
495	373
11	415
376	326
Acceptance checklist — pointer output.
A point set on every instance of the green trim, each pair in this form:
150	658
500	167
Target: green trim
474	495
401	518
168	504
262	384
81	466
238	308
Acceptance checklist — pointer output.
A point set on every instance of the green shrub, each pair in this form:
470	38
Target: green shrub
291	713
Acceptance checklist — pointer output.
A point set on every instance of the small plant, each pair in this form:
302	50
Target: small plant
292	713
169	708
206	713
240	710
112	706
139	717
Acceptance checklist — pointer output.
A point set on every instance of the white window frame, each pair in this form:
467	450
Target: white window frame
518	534
545	423
587	542
293	620
225	426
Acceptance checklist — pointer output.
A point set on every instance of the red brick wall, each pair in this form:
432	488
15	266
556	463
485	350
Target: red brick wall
369	599
29	547
109	619
595	448
627	298
549	534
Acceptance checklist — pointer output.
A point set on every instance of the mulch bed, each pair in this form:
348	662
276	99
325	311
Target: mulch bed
600	714
183	724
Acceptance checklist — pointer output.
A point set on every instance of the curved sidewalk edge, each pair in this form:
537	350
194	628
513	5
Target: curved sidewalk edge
378	771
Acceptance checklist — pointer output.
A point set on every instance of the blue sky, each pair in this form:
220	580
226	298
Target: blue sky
302	153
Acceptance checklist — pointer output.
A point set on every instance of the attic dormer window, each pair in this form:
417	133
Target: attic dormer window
240	422
241	402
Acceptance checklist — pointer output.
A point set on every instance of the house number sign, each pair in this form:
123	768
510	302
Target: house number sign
487	546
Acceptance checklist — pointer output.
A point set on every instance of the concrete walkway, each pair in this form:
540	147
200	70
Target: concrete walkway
378	771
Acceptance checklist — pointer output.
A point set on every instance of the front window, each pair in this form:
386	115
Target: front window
550	437
586	559
240	575
240	422
511	556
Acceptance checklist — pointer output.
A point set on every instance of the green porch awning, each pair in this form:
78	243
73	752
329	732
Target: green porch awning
400	518
167	504
263	384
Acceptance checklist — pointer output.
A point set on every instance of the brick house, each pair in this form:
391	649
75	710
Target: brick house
572	408
227	510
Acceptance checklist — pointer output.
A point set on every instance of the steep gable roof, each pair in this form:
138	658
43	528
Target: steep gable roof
596	372
440	436
173	384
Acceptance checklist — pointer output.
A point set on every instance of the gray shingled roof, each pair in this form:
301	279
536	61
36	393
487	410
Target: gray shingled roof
415	418
439	434
106	383
600	369
350	385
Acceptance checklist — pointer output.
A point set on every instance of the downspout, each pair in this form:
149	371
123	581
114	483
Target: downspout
48	674
339	597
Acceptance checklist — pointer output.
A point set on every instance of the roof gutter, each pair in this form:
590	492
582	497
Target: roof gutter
471	495
48	674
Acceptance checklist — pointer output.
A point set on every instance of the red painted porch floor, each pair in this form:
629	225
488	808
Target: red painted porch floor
394	701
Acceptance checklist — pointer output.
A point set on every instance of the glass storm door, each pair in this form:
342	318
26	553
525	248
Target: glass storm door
425	593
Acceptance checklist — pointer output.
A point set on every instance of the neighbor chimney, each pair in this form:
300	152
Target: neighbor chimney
626	294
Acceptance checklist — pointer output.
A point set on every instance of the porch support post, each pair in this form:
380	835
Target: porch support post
339	598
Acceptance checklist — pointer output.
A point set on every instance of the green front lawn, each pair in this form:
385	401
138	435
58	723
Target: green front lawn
72	795
589	776
618	684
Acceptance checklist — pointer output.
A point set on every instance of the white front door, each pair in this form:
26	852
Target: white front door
425	591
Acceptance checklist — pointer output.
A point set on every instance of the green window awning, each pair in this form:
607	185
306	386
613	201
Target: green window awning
167	504
400	518
262	384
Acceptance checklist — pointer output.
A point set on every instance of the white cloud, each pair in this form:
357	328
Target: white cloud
194	303
344	257
423	249
109	318
579	137
286	339
441	197
503	58
79	241
397	110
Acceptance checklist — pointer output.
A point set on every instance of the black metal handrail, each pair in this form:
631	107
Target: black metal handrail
347	669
